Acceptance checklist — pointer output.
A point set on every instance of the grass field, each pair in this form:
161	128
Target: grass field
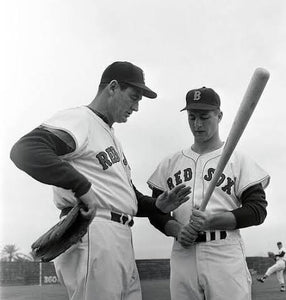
151	289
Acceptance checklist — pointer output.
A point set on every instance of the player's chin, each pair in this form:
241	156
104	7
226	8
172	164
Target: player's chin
122	120
200	138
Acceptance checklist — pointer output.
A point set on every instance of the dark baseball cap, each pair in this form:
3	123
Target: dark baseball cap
126	72
203	99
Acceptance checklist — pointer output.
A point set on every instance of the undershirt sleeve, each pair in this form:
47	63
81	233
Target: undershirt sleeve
280	254
159	220
38	154
253	210
146	205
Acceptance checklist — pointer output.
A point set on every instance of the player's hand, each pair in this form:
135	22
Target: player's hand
169	201
89	199
187	236
200	220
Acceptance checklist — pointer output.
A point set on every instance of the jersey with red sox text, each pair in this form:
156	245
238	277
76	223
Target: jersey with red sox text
99	157
196	170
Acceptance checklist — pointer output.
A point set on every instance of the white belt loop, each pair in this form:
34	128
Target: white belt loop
208	236
129	219
121	219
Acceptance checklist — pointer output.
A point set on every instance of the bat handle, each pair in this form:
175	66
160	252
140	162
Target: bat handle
208	194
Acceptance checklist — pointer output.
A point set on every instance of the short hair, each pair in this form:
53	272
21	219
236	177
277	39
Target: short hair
123	86
279	243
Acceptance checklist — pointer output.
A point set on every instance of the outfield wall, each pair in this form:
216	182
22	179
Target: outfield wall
35	273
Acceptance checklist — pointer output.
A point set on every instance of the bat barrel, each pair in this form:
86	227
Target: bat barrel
252	95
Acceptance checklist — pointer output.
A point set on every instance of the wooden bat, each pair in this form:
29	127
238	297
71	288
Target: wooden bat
247	106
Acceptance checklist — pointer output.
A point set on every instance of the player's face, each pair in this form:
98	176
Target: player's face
204	124
126	102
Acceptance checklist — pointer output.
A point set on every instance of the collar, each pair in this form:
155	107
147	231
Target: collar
103	117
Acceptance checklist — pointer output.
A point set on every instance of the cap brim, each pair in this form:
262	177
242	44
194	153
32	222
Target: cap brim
146	91
200	106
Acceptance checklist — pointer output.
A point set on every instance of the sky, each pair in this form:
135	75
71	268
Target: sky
53	53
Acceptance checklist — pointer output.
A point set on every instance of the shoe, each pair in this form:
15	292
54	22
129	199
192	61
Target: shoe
282	289
261	279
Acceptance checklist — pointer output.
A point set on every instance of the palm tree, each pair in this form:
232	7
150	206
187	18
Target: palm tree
9	251
21	257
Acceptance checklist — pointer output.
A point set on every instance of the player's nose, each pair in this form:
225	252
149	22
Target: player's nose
135	106
197	123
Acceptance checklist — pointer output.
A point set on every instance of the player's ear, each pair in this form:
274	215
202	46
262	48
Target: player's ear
112	86
220	114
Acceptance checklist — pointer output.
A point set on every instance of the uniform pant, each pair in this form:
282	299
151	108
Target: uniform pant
278	268
214	270
102	266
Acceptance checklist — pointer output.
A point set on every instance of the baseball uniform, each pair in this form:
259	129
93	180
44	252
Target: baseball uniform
215	268
74	151
108	244
279	266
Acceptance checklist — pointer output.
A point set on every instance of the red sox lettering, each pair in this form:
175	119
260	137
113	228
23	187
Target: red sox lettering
223	179
109	157
185	175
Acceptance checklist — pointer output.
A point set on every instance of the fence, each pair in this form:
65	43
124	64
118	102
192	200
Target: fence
36	273
27	273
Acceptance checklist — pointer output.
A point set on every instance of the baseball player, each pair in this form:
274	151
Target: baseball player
208	258
77	152
278	267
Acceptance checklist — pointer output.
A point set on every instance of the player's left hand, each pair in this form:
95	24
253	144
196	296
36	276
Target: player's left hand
200	220
170	200
187	236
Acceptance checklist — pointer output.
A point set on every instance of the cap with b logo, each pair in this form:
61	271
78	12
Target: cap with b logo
203	99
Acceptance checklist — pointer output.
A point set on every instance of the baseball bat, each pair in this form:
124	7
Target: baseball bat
247	106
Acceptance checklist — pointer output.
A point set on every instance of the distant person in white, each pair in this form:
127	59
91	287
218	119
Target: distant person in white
278	267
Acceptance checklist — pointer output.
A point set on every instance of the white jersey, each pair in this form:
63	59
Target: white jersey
281	257
99	157
196	170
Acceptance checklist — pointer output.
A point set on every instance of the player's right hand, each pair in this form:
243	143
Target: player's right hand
200	220
89	199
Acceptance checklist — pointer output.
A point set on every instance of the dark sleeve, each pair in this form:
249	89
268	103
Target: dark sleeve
159	220
253	209
38	154
146	205
280	254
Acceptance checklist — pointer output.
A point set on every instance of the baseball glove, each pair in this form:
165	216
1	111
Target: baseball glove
61	236
271	255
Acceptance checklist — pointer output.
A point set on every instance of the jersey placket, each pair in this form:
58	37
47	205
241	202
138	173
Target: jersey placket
198	182
126	168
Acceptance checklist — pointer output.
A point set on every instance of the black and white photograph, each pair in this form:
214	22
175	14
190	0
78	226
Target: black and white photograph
142	150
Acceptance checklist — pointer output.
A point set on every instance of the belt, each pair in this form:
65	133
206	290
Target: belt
121	218
211	236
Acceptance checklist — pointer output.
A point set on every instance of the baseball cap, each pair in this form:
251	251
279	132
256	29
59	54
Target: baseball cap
126	72
202	98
